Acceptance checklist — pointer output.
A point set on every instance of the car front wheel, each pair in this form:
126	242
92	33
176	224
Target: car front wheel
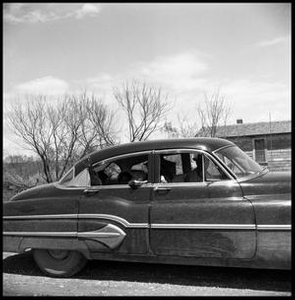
59	263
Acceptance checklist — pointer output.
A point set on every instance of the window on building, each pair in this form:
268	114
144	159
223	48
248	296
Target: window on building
259	150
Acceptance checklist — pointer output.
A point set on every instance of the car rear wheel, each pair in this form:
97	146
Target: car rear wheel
59	263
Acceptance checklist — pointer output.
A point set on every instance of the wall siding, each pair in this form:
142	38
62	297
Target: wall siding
277	160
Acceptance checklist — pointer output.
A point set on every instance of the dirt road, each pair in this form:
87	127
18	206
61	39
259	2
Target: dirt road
21	277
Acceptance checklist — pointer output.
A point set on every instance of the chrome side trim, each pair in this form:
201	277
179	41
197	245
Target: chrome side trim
89	234
205	226
117	219
274	227
109	235
41	233
34	217
126	224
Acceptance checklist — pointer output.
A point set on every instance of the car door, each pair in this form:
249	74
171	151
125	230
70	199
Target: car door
207	218
112	214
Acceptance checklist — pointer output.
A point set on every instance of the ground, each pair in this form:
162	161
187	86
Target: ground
21	277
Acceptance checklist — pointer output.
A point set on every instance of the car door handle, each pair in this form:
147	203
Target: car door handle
162	190
90	192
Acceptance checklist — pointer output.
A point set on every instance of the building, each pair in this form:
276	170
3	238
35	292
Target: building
269	143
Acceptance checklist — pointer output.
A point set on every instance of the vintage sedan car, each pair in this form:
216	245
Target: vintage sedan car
198	201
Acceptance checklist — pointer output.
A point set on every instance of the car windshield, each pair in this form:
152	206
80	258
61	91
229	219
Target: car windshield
238	161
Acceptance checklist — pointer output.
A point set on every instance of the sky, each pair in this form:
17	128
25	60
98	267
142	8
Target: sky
187	49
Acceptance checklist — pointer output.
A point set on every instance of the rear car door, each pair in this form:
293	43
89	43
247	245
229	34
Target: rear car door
205	217
112	215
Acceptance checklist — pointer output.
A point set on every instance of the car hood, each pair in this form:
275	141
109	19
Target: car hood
268	183
40	190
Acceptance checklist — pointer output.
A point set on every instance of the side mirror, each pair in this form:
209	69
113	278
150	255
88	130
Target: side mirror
134	184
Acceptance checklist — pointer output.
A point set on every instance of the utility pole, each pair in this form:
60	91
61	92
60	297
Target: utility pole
270	136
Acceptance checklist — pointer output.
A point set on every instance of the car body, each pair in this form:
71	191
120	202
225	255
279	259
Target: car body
197	201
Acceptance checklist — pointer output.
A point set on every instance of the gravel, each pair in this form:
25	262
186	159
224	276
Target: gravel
21	277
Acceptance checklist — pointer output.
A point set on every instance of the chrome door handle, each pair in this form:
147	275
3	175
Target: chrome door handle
159	189
90	192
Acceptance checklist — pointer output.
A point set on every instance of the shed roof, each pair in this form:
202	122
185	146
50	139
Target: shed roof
249	129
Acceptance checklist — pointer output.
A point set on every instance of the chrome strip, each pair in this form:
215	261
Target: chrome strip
87	234
40	233
109	235
120	220
204	226
222	148
147	152
94	234
126	224
222	226
72	169
274	227
33	217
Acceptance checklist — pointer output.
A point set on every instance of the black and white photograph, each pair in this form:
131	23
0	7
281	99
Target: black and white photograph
147	149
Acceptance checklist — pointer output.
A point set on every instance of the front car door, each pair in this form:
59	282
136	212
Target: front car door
113	216
200	214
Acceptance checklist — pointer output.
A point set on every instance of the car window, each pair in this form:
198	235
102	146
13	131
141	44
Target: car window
171	167
188	167
238	161
80	180
121	170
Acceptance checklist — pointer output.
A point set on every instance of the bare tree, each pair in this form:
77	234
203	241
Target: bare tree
187	128
102	122
144	105
61	134
29	122
215	113
183	129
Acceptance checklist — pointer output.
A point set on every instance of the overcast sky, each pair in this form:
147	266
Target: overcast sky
186	49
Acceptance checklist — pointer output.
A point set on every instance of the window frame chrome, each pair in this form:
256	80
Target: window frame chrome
72	169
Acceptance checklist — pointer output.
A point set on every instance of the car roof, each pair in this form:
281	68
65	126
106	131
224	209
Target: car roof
202	143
